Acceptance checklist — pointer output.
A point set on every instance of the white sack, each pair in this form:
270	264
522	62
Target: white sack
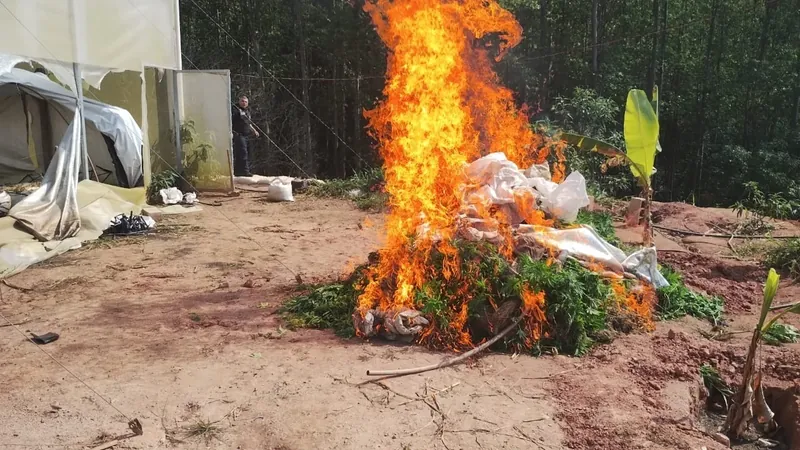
539	171
171	196
280	191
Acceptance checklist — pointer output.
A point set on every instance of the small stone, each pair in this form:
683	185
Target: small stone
654	385
722	439
224	285
671	334
651	401
250	284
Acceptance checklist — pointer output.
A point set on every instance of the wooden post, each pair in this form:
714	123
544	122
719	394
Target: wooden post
633	217
648	224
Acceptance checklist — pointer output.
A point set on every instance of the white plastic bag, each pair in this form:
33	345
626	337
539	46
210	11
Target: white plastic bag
539	171
189	198
280	191
171	196
564	200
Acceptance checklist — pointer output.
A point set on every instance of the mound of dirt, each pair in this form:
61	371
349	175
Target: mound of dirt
740	284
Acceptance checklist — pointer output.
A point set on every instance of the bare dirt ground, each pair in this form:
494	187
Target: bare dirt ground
165	329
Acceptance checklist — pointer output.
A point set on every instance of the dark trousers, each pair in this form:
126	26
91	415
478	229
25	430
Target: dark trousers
241	158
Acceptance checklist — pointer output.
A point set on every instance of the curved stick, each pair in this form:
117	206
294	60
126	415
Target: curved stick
448	362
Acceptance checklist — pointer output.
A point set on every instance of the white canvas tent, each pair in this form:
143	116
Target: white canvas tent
35	114
80	42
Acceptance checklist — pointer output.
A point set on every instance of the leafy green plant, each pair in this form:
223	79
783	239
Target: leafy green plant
576	303
749	398
641	131
716	386
677	300
785	256
159	181
328	306
756	203
780	333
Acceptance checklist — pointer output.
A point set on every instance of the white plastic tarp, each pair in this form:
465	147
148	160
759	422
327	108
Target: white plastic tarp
98	204
585	244
51	212
102	119
124	34
494	180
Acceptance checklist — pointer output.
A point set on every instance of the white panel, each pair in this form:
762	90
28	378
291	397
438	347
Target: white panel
120	34
37	29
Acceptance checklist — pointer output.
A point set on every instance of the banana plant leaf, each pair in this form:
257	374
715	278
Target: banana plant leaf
593	145
654	102
641	134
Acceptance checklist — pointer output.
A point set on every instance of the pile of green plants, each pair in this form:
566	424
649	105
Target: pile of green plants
677	300
580	307
365	189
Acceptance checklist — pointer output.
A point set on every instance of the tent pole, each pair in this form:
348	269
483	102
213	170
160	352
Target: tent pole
76	69
178	118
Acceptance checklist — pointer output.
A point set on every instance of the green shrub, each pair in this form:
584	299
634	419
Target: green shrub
780	333
602	222
785	256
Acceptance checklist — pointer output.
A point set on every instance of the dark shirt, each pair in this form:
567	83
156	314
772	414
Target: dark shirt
241	121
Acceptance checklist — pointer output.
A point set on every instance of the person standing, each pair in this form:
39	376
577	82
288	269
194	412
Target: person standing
242	130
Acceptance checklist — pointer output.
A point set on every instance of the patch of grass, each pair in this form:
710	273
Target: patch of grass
602	222
364	188
780	333
203	429
677	300
716	386
785	256
328	306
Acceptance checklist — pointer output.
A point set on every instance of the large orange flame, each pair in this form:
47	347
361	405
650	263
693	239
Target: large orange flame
444	107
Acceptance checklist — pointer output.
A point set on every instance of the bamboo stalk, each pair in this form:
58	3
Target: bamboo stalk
448	362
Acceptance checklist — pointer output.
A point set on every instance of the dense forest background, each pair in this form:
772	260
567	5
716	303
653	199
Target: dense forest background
728	73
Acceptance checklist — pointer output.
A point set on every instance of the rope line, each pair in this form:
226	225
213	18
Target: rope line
11	324
269	72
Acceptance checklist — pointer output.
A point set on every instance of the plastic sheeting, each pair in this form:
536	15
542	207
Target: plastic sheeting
206	106
62	71
494	180
585	244
116	123
98	204
122	34
51	212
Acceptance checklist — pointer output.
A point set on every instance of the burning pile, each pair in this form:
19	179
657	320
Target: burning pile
474	240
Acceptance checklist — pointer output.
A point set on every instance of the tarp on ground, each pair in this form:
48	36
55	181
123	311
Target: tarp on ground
27	124
98	204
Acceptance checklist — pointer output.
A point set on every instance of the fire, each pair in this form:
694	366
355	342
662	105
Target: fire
444	107
639	301
534	315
